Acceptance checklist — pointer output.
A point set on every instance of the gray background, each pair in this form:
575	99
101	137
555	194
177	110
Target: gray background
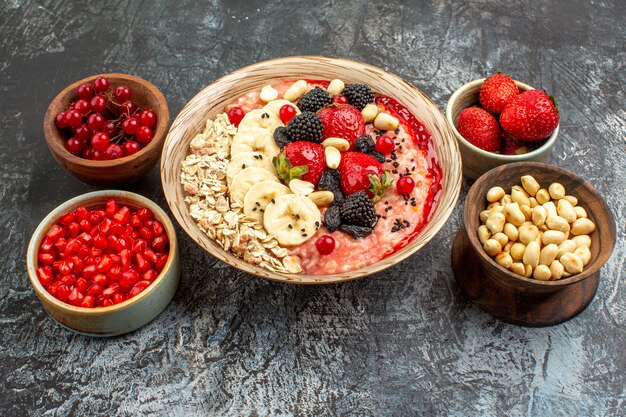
404	342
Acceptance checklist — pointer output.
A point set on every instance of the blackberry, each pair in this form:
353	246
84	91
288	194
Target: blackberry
358	210
330	180
314	100
332	217
281	137
378	156
306	126
365	144
358	95
357	232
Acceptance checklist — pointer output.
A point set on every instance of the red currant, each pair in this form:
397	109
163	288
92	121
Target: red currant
100	155
73	118
325	244
110	128
101	84
96	121
82	106
98	103
84	91
59	120
340	100
286	113
127	108
87	153
385	145
100	141
235	114
122	94
144	135
114	151
82	132
130	125
74	146
130	147
405	185
147	118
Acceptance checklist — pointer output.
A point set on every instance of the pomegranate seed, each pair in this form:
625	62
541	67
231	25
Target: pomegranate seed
151	255
157	228
73	229
107	302
81	213
105	264
45	258
47	245
66	267
85	238
63	292
67	219
44	273
81	284
83	251
75	297
101	84
150	275
126	258
139	245
100	242
95	252
144	213
111	289
118	298
53	288
136	290
84	91
122	94
141	262
101	279
235	115
135	221
145	233
115	272
88	302
89	271
128	278
161	261
56	232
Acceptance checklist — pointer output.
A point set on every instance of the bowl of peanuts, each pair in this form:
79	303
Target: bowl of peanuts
534	239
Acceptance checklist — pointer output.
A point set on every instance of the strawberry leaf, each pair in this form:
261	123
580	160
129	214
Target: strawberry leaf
379	185
285	171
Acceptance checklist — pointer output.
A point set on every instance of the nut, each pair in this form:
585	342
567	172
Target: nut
583	253
513	214
341	144
518	268
533	202
556	268
552	236
296	90
504	260
528	212
572	263
495	194
558	223
501	238
531	254
517	251
494	204
268	93
483	233
550	209
565	247
333	157
322	198
542	273
492	247
530	184
528	234
556	190
511	231
539	215
565	209
542	196
335	87
506	200
385	121
507	247
548	254
572	200
301	187
495	222
484	215
520	196
582	226
582	240
528	271
369	112
580	212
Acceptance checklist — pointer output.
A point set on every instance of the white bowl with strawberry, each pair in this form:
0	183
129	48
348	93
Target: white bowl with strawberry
498	120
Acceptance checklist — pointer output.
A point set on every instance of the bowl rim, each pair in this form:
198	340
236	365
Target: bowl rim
590	269
54	138
88	198
309	279
495	156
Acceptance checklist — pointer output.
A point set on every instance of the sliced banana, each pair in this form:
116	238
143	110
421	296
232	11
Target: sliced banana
243	181
274	106
259	196
291	219
254	139
245	160
261	118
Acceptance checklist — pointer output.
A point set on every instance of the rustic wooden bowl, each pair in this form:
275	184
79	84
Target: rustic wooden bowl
475	160
123	317
513	298
118	171
212	100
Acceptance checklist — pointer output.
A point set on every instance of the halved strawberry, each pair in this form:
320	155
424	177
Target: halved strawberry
301	159
355	169
342	122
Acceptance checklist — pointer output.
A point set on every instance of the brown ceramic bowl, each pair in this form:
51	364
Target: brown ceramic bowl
118	171
512	297
477	161
211	101
123	317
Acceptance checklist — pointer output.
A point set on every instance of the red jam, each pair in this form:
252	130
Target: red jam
102	256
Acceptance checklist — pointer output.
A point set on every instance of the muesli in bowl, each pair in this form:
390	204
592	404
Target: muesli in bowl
312	176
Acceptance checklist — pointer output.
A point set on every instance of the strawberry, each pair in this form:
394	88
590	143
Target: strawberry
496	92
342	122
355	169
510	146
532	116
302	159
480	128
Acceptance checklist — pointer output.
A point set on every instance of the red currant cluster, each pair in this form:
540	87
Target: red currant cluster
101	125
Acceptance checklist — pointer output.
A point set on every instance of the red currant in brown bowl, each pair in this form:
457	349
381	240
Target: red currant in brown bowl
107	129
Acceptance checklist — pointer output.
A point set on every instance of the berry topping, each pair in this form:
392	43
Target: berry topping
359	95
130	125
355	169
365	144
144	135
385	145
130	147
74	146
73	118
357	232
405	185
531	116
301	160
281	137
342	122
59	120
287	112
332	217
96	121
496	92
479	128
325	245
235	115
314	100
358	210
306	126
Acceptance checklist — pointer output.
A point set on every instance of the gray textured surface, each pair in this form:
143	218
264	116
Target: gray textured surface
405	342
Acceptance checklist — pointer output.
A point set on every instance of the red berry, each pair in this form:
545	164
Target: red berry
355	169
532	116
130	147
74	146
405	185
114	151
147	118
82	132
308	154
98	103
82	106
144	135
110	128
130	125
122	94
511	146
496	92
100	141
235	114
479	128
342	122
101	84
325	244
96	121
127	108
385	145
84	91
73	118
88	153
287	112
59	120
340	100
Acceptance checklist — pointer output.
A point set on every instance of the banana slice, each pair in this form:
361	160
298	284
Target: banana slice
243	181
261	118
245	160
259	196
292	219
254	139
274	106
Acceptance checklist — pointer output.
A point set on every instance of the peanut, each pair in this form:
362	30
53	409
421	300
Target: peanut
531	254
385	121
572	200
528	271
296	90
322	198
518	268
580	212
495	194
528	212
556	190
542	196
513	214
566	210
492	247
530	184
511	231
584	254
520	196
582	240
582	226
552	236
517	251
507	247
572	263
565	247
369	112
548	254
493	205
335	87
542	273
501	238
533	202
495	222
506	200
528	234
558	223
483	233
550	209
556	268
504	260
